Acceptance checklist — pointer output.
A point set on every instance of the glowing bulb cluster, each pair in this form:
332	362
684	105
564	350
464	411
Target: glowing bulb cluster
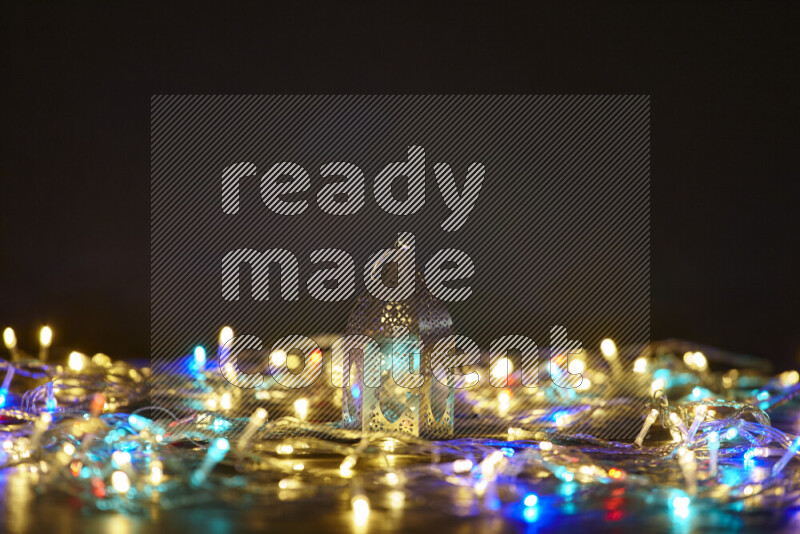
695	360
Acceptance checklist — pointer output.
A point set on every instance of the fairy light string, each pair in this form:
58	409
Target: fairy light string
75	428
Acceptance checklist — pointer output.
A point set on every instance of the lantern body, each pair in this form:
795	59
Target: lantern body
391	385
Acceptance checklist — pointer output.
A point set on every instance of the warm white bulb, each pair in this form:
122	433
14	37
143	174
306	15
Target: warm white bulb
121	458
301	408
789	378
225	335
278	358
45	336
562	420
75	361
284	449
584	385
640	365
502	368
657	385
576	367
120	481
700	360
156	473
462	465
101	360
9	338
608	348
360	510
346	467
471	379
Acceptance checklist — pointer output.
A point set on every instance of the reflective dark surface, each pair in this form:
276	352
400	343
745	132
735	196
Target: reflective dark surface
23	512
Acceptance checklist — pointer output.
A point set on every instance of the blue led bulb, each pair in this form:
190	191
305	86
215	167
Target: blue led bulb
217	451
140	423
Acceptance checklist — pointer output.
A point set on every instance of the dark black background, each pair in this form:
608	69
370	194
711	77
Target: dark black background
77	80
